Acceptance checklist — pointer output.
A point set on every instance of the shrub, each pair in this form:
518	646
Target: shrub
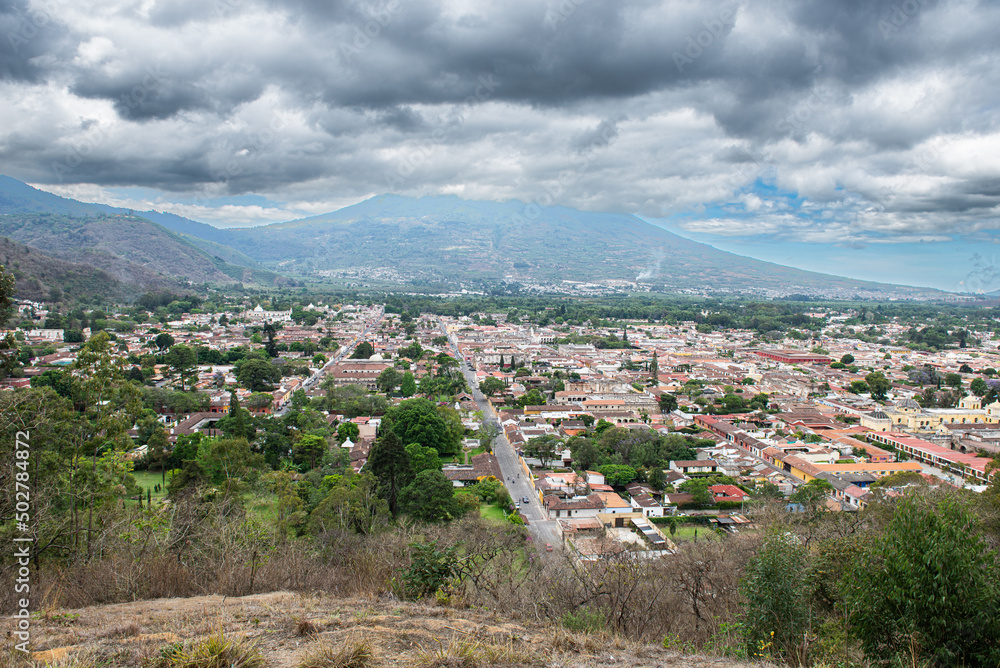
352	653
589	620
216	651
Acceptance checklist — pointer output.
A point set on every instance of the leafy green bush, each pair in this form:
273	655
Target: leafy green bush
586	619
431	568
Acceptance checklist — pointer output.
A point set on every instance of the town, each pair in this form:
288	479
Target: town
603	435
639	462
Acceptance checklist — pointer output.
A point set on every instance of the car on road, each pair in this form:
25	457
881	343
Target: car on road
525	500
548	547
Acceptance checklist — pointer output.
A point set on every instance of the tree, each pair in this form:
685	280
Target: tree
812	495
271	347
488	433
420	421
490	386
978	387
775	608
953	380
668	403
388	380
163	341
408	386
767	490
925	588
258	375
347	430
878	385
183	359
656	478
390	464
543	448
308	451
859	386
654	368
261	400
430	497
156	450
236	422
363	351
587	453
617	475
531	398
698	489
352	503
423	459
847	359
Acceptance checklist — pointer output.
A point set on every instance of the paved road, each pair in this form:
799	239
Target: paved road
515	479
344	350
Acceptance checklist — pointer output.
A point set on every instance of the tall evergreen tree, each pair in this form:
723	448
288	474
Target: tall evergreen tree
390	464
654	368
238	423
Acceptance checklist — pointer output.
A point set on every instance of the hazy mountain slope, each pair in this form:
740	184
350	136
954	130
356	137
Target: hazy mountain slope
130	248
439	238
18	197
38	275
448	237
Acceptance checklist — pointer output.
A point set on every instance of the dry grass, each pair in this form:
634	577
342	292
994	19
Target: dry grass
129	630
564	640
462	653
360	632
354	652
304	627
216	651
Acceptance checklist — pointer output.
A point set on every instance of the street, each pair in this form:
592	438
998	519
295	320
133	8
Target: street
345	349
515	478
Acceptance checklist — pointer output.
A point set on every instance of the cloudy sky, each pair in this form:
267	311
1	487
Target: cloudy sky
858	137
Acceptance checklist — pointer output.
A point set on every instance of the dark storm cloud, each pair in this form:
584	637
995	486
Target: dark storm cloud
28	33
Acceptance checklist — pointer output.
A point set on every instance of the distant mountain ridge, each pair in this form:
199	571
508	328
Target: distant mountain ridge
446	238
134	248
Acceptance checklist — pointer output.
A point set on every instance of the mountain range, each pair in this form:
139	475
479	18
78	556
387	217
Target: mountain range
402	239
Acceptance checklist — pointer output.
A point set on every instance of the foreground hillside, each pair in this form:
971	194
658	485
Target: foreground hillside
287	628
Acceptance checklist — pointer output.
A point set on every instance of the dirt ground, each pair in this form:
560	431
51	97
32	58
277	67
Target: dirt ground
287	626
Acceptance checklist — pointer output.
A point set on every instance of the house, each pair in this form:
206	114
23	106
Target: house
480	467
613	503
579	506
727	493
702	466
647	505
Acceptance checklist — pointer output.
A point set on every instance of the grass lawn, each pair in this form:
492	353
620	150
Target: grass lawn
262	507
149	479
492	512
686	533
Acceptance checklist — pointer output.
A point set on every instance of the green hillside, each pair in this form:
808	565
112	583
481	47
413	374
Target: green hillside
40	276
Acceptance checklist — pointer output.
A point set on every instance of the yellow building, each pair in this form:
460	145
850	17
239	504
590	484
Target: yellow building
907	415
